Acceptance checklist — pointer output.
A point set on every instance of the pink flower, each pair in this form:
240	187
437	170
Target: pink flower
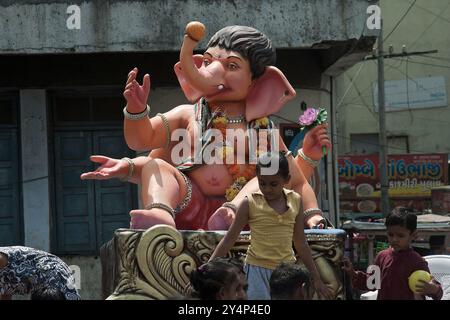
308	117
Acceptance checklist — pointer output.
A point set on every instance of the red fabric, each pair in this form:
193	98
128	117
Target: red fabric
395	269
196	215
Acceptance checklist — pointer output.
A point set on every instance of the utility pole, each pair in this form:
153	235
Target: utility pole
382	136
382	116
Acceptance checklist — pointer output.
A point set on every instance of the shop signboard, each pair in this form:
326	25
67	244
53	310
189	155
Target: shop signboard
411	177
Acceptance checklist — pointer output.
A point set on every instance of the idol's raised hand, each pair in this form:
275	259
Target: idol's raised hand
135	94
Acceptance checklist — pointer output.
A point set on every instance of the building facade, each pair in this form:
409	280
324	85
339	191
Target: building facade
416	86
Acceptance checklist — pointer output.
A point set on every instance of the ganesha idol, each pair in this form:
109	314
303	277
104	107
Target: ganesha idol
233	87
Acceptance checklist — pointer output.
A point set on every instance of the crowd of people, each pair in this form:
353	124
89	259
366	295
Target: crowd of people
225	279
270	269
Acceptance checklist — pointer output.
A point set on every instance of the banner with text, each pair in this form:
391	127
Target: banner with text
411	177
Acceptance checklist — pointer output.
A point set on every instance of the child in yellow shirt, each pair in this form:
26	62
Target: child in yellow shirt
275	219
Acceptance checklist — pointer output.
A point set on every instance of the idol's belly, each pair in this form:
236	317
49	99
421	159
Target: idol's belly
212	179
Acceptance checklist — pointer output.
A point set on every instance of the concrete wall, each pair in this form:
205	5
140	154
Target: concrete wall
35	185
428	129
32	26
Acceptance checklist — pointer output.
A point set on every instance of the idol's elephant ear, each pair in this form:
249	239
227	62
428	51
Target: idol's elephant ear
190	92
268	94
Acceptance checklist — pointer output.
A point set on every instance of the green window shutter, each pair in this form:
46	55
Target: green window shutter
75	206
114	199
10	209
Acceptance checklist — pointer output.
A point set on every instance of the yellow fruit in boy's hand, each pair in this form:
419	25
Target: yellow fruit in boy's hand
414	278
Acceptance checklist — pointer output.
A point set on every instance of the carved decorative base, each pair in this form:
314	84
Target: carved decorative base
327	249
155	263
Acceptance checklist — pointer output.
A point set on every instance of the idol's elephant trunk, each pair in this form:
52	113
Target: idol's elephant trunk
199	78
